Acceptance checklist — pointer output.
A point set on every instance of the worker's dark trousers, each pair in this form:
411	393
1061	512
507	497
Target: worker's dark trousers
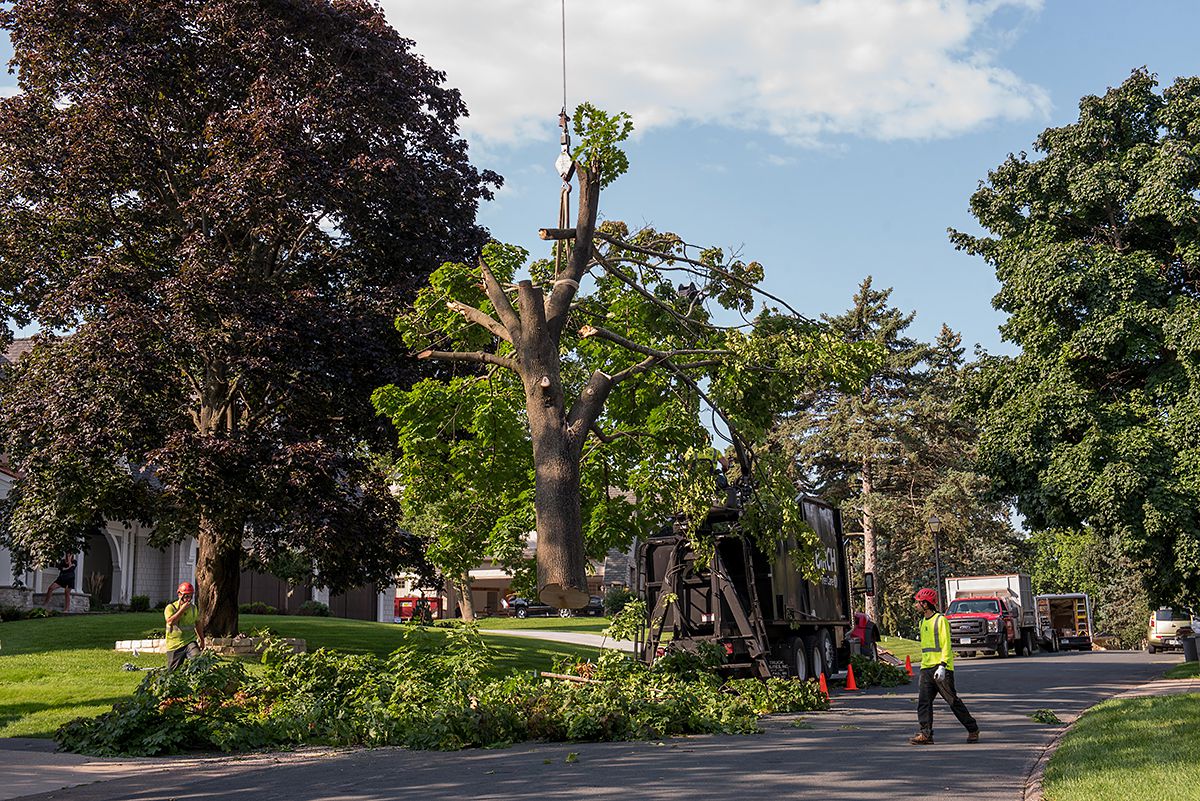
930	688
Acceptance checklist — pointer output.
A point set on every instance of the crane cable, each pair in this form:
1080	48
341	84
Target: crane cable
565	164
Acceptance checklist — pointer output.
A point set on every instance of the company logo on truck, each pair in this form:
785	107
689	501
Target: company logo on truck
827	564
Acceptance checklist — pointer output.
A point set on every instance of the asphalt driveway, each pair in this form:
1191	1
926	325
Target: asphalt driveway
857	751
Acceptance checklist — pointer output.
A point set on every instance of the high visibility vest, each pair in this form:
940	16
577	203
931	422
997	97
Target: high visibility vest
935	643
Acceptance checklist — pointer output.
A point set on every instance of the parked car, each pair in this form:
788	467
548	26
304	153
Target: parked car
1168	628
523	607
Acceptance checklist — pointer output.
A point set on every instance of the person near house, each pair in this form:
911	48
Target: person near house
65	581
937	671
185	638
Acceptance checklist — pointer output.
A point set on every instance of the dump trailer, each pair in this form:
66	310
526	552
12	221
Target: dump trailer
757	607
1065	621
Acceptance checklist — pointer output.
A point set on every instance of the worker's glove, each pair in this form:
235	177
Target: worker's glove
939	675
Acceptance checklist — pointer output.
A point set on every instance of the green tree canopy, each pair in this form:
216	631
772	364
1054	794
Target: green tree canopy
1096	243
225	202
896	451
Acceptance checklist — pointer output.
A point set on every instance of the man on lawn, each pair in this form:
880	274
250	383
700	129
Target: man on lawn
184	639
937	671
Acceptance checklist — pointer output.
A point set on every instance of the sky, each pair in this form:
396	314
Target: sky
827	139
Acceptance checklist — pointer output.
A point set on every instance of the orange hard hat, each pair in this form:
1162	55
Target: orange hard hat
186	588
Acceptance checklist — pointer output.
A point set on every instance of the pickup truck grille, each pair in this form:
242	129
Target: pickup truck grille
966	627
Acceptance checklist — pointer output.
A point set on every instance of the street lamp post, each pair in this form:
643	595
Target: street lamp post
935	528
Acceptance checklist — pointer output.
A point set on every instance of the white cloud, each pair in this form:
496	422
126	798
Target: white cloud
9	91
799	69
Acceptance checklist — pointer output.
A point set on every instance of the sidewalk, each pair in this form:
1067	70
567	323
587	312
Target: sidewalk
585	638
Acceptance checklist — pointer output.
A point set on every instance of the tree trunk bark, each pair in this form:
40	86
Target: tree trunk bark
870	550
466	603
219	576
562	566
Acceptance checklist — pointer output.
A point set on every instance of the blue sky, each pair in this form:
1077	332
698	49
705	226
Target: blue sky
827	139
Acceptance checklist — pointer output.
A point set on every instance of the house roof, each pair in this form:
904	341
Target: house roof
16	350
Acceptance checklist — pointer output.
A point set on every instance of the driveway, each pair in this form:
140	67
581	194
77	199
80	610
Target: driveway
857	751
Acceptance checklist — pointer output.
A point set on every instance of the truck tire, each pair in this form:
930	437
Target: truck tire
822	655
1002	651
1150	649
799	656
1020	646
521	612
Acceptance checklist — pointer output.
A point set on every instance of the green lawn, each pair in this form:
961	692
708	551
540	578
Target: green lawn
1186	670
1129	748
593	624
55	669
901	647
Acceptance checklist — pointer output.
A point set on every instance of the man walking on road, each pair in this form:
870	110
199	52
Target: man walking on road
937	671
182	632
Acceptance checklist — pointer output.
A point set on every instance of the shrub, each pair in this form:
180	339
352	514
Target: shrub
140	603
257	608
431	693
11	613
616	598
869	673
313	609
161	605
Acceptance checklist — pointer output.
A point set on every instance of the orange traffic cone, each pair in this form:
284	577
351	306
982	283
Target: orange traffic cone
824	687
850	685
908	666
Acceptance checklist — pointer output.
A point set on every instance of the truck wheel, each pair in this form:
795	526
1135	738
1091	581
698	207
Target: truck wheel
822	658
799	651
871	651
1020	646
1002	651
1150	649
521	612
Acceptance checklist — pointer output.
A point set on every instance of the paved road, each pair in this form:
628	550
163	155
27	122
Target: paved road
857	751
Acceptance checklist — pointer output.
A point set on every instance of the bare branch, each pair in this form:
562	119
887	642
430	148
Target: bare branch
603	333
476	357
566	282
630	282
609	439
504	309
556	233
480	318
640	367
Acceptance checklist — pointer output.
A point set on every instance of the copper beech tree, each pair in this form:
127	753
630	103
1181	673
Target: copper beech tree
225	203
615	327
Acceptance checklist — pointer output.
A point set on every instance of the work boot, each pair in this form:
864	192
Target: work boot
921	738
973	736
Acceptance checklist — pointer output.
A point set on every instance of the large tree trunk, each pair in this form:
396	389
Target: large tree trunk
466	603
219	576
870	550
562	568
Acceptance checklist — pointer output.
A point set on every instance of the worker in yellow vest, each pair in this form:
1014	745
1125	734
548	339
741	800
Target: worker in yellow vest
937	671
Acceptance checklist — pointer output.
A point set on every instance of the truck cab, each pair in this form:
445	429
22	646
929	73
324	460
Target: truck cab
993	614
981	624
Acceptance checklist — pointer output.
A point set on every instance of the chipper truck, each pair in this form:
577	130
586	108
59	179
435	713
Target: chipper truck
757	606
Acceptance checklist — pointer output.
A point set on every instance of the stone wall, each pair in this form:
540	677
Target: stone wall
25	598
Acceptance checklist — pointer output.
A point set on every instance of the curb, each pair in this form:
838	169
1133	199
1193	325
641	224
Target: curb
1032	790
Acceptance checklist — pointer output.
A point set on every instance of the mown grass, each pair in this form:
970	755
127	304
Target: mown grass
56	669
901	647
592	624
1185	670
1129	748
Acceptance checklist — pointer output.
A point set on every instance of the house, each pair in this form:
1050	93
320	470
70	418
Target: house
118	562
491	583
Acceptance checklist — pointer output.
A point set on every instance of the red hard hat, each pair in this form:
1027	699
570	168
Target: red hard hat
927	595
186	587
